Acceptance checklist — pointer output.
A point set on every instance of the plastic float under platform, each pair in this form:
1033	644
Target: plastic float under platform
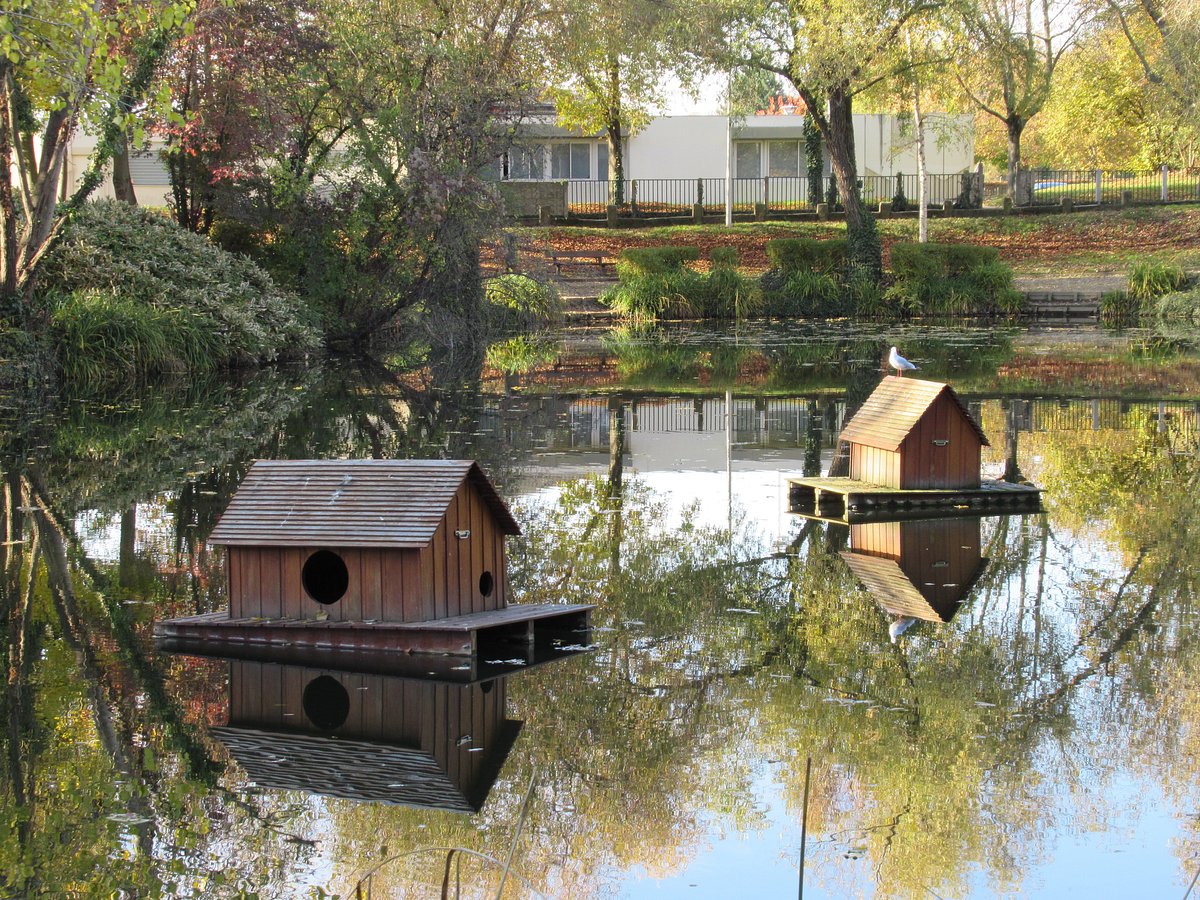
849	500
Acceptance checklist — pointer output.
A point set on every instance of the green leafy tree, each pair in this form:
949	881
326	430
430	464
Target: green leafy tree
1006	64
829	54
608	62
63	63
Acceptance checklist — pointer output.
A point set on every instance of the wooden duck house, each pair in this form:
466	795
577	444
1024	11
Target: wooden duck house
372	554
366	737
365	540
912	435
922	569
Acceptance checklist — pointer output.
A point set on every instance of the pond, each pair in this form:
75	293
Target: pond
1003	706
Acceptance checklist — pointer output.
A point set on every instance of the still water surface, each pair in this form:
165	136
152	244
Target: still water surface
1034	731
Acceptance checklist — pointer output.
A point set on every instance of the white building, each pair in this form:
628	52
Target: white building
673	150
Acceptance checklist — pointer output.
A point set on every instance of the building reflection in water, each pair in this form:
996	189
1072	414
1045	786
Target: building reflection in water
918	570
368	737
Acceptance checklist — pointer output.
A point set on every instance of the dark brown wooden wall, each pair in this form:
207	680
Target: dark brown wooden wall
924	546
875	466
401	712
389	585
921	548
926	465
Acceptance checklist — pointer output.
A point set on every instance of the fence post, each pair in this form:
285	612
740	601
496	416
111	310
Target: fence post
1099	187
699	191
633	197
1166	191
766	192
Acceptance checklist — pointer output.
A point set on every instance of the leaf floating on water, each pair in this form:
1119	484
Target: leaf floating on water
460	668
465	739
984	703
738	609
505	662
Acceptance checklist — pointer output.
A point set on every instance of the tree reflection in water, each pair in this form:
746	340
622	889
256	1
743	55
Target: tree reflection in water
955	758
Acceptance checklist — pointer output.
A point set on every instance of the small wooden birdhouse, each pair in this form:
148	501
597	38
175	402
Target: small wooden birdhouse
922	569
912	435
365	541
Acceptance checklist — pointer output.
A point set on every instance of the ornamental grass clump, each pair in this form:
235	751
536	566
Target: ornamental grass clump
520	302
1152	278
130	293
654	283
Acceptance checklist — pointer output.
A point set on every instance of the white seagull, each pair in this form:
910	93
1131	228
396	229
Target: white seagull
899	363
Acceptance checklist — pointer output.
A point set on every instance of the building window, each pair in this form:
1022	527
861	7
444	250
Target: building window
526	163
783	158
602	161
747	157
571	160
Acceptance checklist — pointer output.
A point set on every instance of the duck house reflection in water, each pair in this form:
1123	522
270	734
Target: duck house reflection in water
918	569
377	738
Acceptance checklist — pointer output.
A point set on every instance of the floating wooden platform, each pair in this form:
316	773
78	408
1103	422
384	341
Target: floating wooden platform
455	635
849	500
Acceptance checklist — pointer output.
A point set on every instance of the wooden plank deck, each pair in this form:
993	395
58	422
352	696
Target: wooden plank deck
846	499
454	635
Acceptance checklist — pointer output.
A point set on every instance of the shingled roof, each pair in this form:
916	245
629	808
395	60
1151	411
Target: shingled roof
895	592
366	770
895	407
350	502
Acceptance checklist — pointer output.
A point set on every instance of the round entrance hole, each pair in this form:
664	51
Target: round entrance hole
325	577
326	702
486	584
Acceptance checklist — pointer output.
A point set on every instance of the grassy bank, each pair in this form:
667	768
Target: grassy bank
1084	243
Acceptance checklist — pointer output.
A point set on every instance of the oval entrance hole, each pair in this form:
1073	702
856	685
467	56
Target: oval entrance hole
325	577
326	702
486	584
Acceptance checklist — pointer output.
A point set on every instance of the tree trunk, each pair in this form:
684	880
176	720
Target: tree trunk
122	179
922	178
865	254
616	157
1013	127
616	164
8	211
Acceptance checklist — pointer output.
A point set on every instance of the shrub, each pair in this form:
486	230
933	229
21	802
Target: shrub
865	298
1181	306
654	284
655	260
807	255
723	257
899	201
518	301
1118	308
126	282
1151	279
950	279
806	293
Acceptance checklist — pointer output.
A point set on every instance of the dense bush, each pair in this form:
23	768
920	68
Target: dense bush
518	301
655	260
949	279
1180	306
655	284
129	292
790	255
